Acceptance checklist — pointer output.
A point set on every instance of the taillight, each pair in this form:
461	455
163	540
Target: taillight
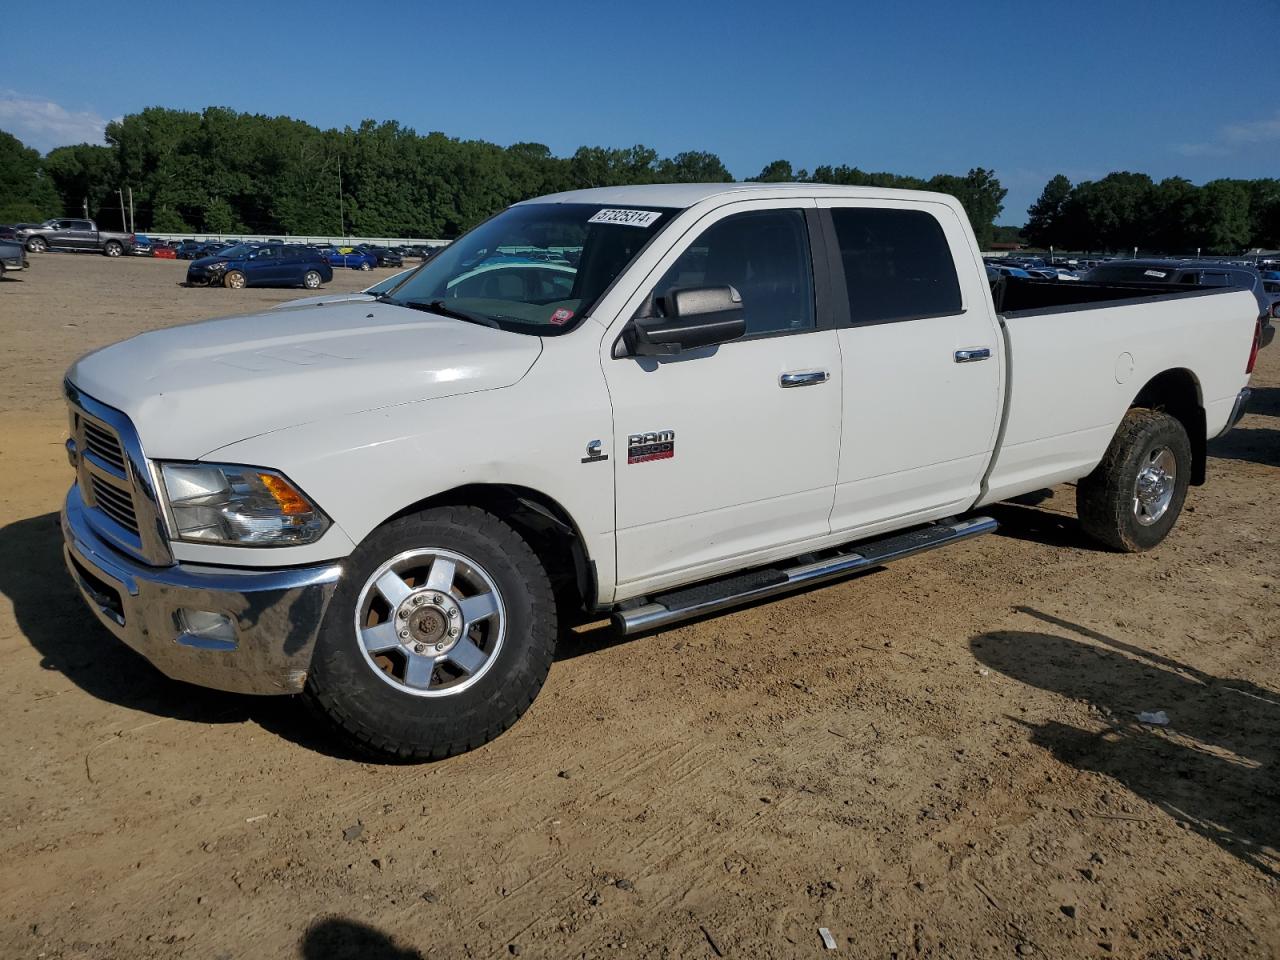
1253	351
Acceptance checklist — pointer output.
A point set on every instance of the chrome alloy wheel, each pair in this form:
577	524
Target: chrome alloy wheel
1154	487
430	622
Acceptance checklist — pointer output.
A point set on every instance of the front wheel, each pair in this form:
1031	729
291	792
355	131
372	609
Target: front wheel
37	245
311	280
1133	497
113	248
364	265
438	638
235	280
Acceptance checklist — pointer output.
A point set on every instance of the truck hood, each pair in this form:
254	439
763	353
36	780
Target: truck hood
194	388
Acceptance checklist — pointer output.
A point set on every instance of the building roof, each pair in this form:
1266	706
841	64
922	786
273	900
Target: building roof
681	195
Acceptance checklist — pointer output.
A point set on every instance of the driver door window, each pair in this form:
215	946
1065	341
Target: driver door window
764	255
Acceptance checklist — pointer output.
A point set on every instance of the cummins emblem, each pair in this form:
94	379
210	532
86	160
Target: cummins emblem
643	447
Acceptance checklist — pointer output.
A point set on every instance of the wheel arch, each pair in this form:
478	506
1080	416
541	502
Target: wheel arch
545	525
1177	392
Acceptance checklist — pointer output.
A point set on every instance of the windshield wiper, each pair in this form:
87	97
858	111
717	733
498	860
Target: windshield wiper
439	306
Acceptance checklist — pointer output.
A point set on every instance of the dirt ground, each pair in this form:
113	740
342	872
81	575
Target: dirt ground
937	760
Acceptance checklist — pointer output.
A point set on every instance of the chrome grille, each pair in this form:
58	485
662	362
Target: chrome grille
115	502
102	443
115	479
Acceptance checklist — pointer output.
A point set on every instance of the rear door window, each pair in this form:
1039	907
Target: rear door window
897	264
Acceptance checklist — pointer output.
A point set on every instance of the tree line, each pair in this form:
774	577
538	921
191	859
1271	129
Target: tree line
221	171
1126	210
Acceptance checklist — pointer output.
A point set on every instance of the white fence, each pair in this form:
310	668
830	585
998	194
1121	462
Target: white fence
286	238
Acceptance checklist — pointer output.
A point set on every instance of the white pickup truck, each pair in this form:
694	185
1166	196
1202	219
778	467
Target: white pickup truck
649	402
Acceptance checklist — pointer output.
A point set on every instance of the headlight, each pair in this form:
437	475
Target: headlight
217	265
245	506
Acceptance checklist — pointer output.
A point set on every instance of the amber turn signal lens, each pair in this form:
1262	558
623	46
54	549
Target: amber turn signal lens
291	502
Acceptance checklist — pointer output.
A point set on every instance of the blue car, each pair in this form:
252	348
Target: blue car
352	258
261	265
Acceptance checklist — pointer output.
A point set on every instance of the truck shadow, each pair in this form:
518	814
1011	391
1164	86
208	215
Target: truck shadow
51	615
1023	522
1213	768
337	938
1249	444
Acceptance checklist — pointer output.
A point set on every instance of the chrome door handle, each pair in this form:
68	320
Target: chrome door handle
972	354
803	378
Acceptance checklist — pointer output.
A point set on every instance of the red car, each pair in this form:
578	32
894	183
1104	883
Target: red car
163	251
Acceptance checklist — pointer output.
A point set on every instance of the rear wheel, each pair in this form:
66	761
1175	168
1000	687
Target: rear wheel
235	280
37	245
311	280
113	248
364	265
437	639
1133	497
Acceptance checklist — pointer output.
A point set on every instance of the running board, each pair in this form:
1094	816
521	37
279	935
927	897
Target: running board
696	601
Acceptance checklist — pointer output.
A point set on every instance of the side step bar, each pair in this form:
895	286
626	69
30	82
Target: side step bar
697	601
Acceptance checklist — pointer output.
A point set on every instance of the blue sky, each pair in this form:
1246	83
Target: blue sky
1080	88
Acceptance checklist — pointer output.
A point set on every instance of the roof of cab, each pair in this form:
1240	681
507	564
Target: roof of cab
682	195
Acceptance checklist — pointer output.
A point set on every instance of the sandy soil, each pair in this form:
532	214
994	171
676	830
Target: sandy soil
938	760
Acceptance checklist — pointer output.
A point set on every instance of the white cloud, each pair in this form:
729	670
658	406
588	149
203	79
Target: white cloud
1234	137
43	124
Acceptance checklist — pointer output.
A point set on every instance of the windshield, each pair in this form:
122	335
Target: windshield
236	252
536	268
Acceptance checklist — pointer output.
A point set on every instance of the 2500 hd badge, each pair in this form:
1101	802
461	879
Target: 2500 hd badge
644	447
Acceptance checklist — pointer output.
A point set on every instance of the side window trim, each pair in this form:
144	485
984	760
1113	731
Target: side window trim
835	264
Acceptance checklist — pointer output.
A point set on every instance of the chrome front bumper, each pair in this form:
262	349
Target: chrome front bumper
276	614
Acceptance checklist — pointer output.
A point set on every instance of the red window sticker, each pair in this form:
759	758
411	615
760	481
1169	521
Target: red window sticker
561	316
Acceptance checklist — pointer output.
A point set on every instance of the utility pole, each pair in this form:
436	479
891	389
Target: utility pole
133	224
124	224
86	208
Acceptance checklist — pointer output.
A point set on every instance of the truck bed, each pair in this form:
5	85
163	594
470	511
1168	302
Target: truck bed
1015	295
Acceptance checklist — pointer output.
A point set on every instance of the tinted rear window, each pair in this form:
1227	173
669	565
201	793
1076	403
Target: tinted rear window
897	265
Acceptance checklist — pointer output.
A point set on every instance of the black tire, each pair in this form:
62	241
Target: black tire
379	717
1106	500
235	280
37	245
311	280
113	248
364	265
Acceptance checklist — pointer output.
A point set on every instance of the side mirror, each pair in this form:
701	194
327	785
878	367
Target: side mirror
693	317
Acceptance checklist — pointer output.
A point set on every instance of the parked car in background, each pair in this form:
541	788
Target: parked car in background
384	256
141	245
13	257
163	250
70	234
1007	271
367	294
349	257
261	265
191	249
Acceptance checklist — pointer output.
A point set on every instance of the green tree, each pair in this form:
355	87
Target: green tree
779	171
26	192
1045	215
693	166
85	177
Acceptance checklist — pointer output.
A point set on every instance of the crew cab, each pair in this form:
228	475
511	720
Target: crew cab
394	506
69	234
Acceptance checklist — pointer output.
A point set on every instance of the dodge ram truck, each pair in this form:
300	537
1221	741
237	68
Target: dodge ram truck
718	394
68	234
